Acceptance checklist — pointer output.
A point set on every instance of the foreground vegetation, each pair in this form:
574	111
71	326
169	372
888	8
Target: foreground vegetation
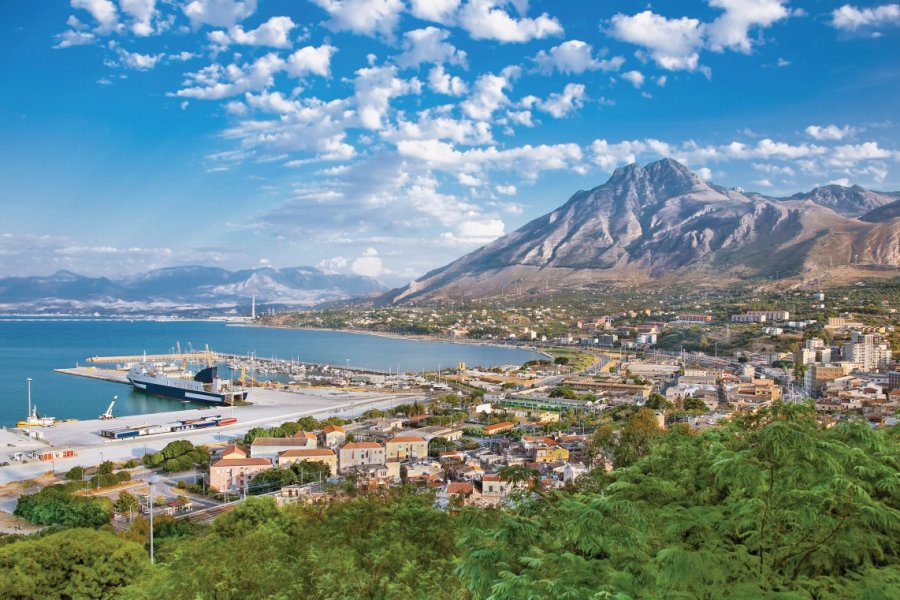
770	506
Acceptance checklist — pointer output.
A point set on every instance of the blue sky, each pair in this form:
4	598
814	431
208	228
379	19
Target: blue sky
388	137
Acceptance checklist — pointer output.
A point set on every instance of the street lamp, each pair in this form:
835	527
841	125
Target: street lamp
154	479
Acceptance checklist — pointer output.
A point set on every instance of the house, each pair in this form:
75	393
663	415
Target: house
269	447
499	427
334	435
233	451
357	455
493	487
408	447
387	425
433	431
298	494
231	473
323	455
549	454
462	490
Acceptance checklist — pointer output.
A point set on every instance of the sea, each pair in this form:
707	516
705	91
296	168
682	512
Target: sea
34	347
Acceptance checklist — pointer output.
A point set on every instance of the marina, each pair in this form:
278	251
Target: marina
68	385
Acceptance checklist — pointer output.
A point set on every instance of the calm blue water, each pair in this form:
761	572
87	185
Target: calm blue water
33	348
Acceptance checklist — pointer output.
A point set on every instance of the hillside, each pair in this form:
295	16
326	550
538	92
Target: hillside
661	221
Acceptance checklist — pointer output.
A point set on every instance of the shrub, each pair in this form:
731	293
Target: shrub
54	505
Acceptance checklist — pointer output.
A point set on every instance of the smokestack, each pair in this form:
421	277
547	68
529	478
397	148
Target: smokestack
253	308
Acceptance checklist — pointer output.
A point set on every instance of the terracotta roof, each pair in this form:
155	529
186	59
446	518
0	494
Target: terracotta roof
405	438
271	441
491	477
543	439
361	446
232	448
333	428
502	425
305	435
241	462
460	487
306	452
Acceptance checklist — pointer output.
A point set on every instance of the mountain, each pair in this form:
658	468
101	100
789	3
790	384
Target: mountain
662	222
884	212
180	289
849	201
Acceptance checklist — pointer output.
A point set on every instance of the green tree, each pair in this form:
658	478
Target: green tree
75	474
272	479
694	404
105	468
311	470
636	438
126	503
54	505
79	563
769	506
153	459
440	444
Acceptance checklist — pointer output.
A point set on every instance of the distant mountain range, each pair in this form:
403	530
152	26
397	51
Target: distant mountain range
661	222
180	289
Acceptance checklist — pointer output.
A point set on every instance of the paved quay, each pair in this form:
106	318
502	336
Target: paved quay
270	407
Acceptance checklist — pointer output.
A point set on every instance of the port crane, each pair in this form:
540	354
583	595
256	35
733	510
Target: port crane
108	414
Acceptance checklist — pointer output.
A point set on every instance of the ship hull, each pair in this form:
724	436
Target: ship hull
176	393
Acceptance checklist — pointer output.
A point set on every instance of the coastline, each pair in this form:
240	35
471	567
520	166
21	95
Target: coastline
400	336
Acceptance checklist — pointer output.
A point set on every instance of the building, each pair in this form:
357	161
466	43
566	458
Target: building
894	380
695	319
648	339
233	451
550	453
406	447
818	376
499	427
322	455
494	487
229	474
761	316
360	455
869	351
334	435
270	448
433	431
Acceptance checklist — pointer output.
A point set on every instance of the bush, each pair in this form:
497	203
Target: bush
54	505
153	459
75	474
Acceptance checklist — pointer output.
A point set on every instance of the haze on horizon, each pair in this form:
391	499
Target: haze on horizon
388	137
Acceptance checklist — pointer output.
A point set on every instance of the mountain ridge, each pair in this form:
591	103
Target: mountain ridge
183	288
661	220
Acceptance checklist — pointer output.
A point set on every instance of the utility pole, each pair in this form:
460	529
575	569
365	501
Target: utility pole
28	416
153	480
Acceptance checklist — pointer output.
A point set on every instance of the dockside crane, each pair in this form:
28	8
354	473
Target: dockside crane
108	414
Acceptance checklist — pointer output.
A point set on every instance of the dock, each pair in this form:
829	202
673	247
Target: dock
195	356
96	373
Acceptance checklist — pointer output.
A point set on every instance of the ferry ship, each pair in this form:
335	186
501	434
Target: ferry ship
204	387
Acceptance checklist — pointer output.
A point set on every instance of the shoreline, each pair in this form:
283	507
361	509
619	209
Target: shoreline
400	336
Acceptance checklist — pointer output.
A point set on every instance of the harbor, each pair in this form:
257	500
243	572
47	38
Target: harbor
271	407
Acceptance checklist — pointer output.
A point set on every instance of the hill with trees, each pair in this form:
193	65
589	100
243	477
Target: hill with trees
768	506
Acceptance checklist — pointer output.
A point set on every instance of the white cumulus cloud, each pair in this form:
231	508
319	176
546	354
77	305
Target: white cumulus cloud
365	17
850	18
219	13
573	57
489	20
